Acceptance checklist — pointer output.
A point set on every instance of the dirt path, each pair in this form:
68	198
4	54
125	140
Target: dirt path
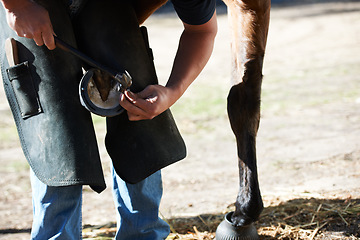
308	142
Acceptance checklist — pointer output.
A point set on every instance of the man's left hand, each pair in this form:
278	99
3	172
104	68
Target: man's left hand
147	104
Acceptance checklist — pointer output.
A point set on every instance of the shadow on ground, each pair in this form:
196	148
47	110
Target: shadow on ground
294	219
298	218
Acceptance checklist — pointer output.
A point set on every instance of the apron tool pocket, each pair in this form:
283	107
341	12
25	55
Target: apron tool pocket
24	90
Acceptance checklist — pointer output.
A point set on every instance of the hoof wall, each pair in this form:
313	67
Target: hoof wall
226	231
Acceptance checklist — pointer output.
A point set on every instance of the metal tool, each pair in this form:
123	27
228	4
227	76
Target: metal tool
122	76
90	96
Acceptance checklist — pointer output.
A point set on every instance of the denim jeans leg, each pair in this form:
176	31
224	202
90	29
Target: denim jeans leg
56	211
137	207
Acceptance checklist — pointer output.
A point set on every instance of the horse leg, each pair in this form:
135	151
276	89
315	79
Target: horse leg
249	21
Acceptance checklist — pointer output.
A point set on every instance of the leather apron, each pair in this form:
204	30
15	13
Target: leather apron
55	130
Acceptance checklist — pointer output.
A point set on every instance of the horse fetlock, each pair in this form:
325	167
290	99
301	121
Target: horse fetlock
247	211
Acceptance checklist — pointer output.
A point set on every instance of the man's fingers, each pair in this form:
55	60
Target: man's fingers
130	96
38	39
46	38
137	108
148	91
130	105
49	41
142	99
136	100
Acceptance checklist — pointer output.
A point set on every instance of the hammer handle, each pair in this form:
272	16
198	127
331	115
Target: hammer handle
11	52
63	45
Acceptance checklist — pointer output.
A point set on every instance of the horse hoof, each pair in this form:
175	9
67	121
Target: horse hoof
92	100
226	231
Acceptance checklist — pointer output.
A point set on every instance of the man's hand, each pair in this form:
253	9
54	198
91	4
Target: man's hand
29	19
147	104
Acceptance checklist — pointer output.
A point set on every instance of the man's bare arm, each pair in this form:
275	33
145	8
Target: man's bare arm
195	48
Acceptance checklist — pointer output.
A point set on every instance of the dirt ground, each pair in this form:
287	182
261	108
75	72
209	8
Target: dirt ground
308	142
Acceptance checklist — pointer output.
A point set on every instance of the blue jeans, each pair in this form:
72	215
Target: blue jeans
57	210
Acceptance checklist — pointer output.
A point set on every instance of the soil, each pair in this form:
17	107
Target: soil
308	145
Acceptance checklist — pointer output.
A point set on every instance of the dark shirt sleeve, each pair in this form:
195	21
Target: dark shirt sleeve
194	12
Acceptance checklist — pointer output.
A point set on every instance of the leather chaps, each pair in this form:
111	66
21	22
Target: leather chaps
55	130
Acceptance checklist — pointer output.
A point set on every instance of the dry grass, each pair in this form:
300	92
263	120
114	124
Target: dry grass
310	219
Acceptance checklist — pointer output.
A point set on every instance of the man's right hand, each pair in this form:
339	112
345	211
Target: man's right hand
29	19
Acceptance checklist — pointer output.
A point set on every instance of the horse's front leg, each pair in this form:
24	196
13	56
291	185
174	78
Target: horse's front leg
249	21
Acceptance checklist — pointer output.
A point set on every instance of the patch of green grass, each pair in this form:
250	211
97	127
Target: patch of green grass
203	103
310	86
200	110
